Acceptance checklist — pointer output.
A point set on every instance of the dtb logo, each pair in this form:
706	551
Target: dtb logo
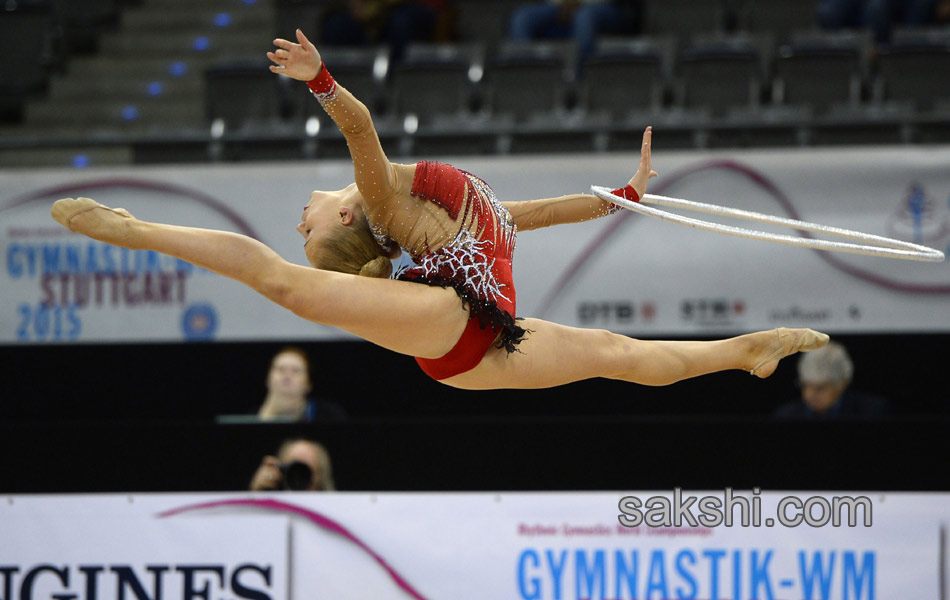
620	312
712	311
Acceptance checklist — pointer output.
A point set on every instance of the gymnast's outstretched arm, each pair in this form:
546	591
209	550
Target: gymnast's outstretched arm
574	208
378	179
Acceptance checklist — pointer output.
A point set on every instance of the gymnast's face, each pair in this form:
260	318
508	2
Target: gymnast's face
326	211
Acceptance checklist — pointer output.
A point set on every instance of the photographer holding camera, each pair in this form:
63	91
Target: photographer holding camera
300	465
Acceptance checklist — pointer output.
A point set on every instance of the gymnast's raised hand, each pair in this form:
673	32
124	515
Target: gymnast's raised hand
300	61
645	171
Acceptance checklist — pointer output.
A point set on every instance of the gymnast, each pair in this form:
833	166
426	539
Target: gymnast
454	308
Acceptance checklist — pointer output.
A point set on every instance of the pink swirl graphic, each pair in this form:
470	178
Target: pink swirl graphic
71	189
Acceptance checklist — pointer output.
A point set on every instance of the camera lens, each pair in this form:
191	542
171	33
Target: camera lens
297	476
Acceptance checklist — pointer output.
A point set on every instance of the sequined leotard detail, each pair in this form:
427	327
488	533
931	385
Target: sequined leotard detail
477	263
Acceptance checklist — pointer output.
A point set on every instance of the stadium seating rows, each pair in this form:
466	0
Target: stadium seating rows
157	69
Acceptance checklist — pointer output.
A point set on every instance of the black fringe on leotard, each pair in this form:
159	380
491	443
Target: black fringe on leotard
487	311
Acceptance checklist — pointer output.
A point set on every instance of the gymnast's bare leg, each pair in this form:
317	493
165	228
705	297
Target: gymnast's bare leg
554	354
426	321
404	317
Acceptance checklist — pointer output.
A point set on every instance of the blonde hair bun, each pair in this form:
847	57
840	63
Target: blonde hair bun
378	267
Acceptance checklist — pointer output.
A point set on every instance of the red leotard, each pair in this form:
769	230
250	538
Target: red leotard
477	266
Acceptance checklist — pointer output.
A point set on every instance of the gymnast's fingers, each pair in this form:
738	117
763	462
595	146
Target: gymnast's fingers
279	66
281	61
307	46
645	171
646	158
303	39
282	43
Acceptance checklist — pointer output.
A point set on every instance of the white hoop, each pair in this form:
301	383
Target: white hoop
886	247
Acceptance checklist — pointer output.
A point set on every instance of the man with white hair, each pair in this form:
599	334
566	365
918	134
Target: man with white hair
824	377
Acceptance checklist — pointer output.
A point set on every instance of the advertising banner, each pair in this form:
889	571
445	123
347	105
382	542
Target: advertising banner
81	549
737	545
627	272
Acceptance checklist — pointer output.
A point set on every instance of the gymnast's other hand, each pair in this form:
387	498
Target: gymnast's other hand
300	61
645	171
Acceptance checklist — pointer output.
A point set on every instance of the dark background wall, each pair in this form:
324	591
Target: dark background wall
195	382
141	418
442	454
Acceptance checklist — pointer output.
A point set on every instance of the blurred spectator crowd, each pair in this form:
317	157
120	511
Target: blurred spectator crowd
477	72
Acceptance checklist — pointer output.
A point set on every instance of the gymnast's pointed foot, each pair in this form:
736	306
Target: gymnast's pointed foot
783	342
79	215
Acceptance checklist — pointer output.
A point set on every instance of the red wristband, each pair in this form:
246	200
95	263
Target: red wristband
627	193
323	86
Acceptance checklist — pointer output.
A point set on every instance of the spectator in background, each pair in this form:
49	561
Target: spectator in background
288	389
396	23
300	465
824	376
881	16
580	20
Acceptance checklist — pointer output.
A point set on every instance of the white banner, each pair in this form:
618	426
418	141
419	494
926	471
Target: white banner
629	273
537	546
82	549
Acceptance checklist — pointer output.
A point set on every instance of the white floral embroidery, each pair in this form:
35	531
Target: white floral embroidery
465	261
